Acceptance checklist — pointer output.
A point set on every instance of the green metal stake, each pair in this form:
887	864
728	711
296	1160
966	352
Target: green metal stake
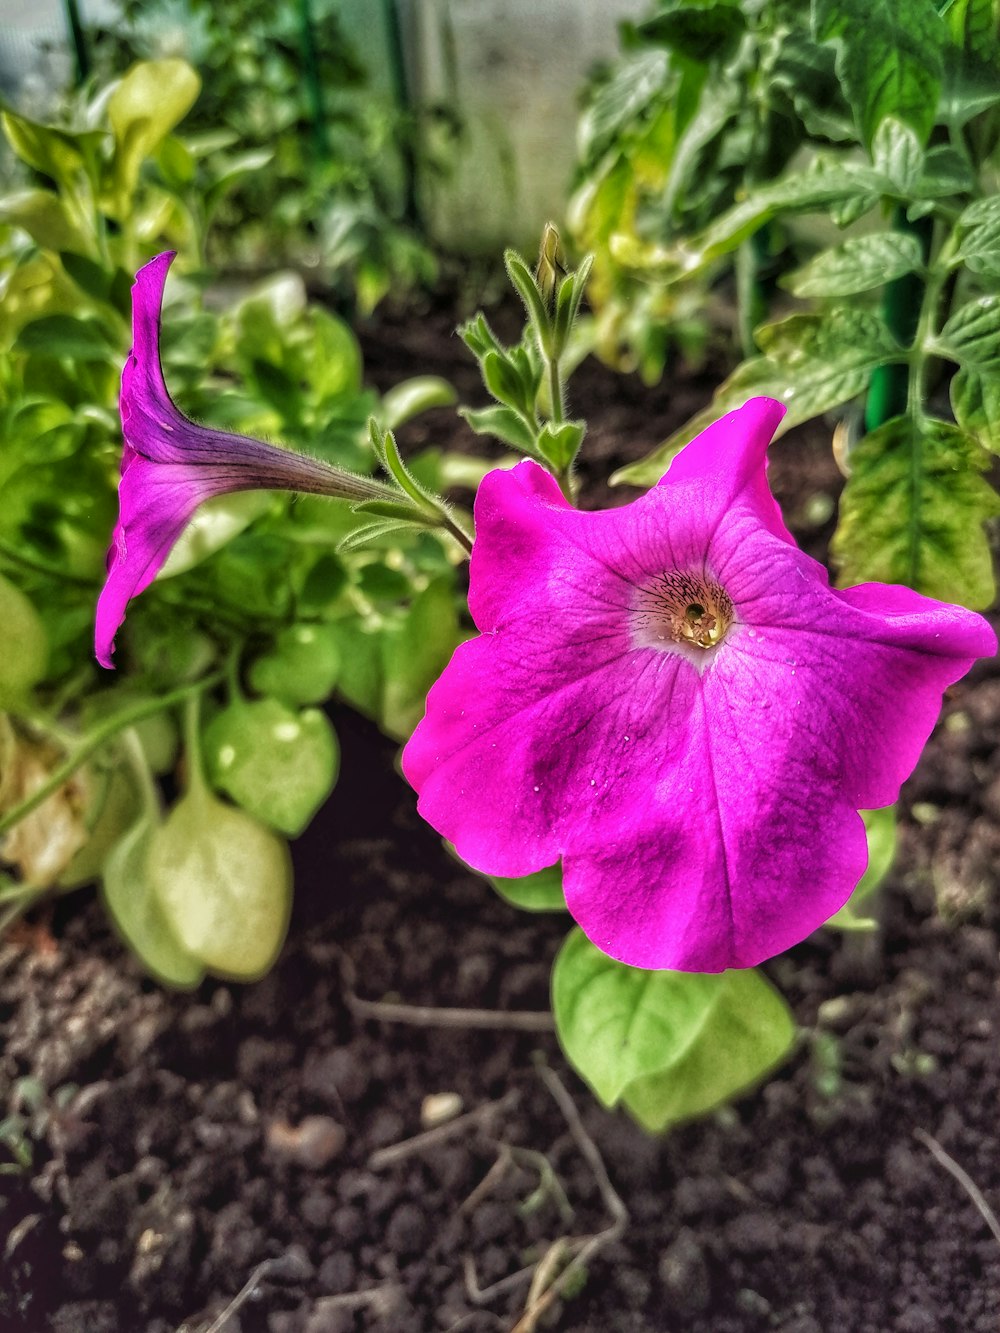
75	25
901	307
401	96
314	87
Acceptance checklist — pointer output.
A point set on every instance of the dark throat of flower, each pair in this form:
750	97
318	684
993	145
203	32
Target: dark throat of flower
687	609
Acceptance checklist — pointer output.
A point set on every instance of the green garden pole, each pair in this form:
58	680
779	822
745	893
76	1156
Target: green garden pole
75	25
314	86
901	304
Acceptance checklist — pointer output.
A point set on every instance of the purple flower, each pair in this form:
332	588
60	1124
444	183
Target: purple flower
671	698
170	465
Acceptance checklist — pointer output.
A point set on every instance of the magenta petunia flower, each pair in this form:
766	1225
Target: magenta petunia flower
671	698
170	465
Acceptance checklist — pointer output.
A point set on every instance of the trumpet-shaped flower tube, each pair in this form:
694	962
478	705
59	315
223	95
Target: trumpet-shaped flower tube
670	698
170	466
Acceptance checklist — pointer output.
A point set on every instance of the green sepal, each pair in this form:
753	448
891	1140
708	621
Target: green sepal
504	424
534	303
559	445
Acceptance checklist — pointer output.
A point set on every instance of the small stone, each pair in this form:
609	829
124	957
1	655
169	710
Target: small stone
407	1233
438	1108
313	1143
337	1273
684	1273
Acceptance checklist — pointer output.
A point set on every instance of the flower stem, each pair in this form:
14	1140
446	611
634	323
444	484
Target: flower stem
101	734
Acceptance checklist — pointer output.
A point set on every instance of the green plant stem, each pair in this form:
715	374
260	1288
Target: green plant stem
555	391
927	326
196	781
101	734
452	526
889	393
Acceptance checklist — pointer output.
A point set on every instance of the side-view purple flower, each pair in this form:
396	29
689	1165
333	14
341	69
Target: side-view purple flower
670	698
170	466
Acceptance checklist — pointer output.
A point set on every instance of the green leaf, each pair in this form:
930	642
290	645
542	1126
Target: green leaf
913	512
619	103
527	288
703	32
972	60
880	826
503	423
411	397
897	155
861	263
671	1045
78	339
153	97
972	334
279	765
128	895
823	186
560	444
415	655
975	400
811	363
213	525
224	884
890	59
44	216
301	668
56	153
540	892
504	381
979	227
26	653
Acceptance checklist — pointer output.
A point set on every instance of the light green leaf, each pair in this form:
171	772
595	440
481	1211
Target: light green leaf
972	334
411	397
979	227
640	79
671	1045
880	826
224	884
897	155
56	153
540	892
153	97
972	59
26	652
913	512
861	263
214	523
301	668
279	765
415	654
889	59
133	907
44	216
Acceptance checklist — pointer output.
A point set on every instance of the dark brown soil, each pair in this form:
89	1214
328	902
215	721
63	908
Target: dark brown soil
187	1149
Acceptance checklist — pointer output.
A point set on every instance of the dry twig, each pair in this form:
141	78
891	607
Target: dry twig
963	1178
396	1152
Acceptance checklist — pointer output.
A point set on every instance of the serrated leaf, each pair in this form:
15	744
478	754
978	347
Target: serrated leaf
979	227
890	59
824	186
640	79
897	154
811	363
861	263
880	828
972	59
975	400
972	334
703	32
913	512
669	1044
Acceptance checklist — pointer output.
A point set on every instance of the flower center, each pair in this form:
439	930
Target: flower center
689	609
